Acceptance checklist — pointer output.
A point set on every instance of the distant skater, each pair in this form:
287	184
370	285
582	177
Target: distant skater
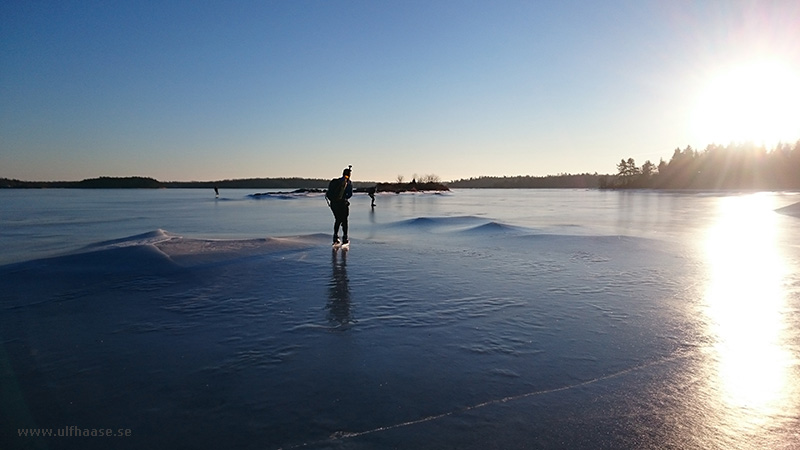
216	192
371	193
339	192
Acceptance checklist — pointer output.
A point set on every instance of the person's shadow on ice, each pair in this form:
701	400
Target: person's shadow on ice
339	292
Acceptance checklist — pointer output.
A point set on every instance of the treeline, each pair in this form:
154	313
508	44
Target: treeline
563	181
151	183
413	186
90	183
253	183
735	166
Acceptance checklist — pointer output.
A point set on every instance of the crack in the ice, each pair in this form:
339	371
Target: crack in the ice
340	435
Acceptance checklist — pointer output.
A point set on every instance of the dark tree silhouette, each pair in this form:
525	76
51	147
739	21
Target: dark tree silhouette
735	166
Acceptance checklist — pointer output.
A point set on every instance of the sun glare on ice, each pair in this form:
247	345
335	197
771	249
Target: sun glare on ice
746	310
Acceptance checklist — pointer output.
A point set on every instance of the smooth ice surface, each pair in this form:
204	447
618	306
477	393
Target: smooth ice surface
473	319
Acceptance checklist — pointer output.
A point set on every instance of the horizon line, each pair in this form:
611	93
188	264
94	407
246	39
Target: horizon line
129	177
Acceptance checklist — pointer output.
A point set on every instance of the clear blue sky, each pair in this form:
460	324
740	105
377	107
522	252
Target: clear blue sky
209	90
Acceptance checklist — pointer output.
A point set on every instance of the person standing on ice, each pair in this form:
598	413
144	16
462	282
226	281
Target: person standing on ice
339	192
371	193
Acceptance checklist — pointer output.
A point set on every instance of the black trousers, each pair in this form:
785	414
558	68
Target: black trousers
340	212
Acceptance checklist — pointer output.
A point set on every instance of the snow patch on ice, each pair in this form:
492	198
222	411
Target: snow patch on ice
494	228
139	251
149	238
791	210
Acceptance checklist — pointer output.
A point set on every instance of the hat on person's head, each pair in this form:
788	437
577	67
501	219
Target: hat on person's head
346	172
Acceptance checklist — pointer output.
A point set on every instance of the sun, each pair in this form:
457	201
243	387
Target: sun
754	102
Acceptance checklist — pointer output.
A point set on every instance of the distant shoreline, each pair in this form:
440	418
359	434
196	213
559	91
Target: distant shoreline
303	184
152	183
564	181
558	181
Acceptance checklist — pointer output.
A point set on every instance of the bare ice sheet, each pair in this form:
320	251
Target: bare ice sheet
457	331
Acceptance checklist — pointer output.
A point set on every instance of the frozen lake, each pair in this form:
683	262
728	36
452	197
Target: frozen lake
471	319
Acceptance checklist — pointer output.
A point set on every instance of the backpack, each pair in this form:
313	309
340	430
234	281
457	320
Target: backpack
336	189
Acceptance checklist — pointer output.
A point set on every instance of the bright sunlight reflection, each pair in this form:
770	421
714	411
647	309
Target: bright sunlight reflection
746	310
752	102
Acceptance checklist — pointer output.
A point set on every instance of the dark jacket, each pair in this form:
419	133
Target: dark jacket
339	189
